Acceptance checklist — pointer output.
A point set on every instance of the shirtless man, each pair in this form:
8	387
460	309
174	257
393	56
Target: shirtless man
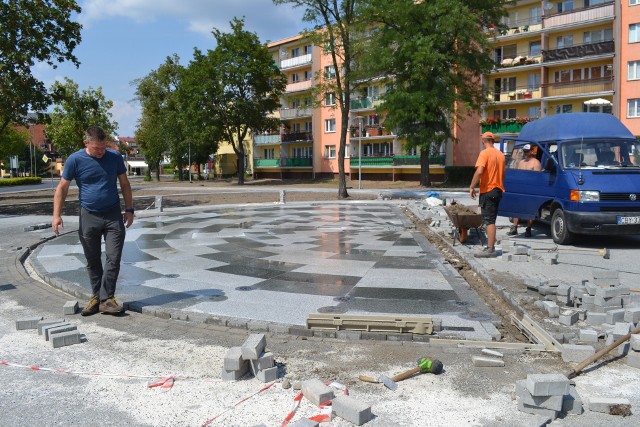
529	163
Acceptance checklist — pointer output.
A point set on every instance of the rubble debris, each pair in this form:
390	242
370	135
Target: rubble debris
610	405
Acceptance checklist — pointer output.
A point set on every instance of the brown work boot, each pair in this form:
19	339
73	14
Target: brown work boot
92	307
111	306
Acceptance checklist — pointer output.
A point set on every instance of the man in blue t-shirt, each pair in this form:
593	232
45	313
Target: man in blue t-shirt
96	170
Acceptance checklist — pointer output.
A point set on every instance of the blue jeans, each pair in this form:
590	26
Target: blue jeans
93	227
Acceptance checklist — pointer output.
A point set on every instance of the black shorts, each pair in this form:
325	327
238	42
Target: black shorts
489	203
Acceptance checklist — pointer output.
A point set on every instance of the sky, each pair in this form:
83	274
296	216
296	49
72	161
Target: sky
123	40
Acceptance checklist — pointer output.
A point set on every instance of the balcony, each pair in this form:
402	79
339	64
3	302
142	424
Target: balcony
297	137
266	163
298	61
296	162
520	93
502	128
593	86
299	86
579	51
518	60
266	139
588	15
389	161
519	27
365	103
295	113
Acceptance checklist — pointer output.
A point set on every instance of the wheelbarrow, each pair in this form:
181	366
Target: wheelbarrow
463	221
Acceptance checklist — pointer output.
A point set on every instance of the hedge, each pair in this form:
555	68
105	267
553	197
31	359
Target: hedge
27	180
459	175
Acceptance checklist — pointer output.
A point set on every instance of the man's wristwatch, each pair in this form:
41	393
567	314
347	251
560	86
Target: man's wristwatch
130	210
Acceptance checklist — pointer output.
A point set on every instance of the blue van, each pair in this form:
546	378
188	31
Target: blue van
590	178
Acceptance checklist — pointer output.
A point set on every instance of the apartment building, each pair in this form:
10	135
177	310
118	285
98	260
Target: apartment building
306	146
556	57
628	103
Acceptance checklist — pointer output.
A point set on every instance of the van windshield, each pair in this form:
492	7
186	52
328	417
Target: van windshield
600	154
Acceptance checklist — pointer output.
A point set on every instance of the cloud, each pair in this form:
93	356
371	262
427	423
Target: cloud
201	16
126	114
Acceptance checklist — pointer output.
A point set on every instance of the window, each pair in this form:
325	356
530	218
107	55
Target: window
295	128
329	72
633	70
509	113
565	6
588	3
373	120
307	49
308	126
535	15
564	41
565	108
308	75
330	152
304	152
295	78
295	52
330	125
346	150
634	33
562	76
373	92
508	84
634	2
534	112
633	107
595	36
533	82
329	99
269	153
534	48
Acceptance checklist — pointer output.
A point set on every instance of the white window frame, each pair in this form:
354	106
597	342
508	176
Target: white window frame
534	112
633	108
634	33
307	49
295	52
296	128
269	153
535	15
564	108
533	82
295	78
308	126
330	99
329	151
633	70
308	75
329	72
565	40
329	125
634	2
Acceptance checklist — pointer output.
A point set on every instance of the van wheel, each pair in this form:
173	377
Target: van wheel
559	231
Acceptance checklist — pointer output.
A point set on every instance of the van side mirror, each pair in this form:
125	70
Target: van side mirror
550	165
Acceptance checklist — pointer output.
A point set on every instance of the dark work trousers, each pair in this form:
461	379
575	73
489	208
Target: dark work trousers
93	227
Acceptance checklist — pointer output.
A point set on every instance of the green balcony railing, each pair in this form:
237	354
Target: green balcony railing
297	162
395	161
502	128
264	163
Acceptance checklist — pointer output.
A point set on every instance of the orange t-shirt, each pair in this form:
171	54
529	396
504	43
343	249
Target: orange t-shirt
494	165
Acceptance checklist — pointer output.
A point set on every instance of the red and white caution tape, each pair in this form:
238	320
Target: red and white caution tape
162	381
325	407
210	420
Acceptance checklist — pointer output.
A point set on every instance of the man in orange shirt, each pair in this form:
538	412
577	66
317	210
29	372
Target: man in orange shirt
490	168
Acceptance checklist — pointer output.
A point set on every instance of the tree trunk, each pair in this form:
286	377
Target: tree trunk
241	166
425	177
158	169
342	180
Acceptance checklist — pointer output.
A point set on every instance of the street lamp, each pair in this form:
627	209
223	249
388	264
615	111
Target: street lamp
360	120
190	161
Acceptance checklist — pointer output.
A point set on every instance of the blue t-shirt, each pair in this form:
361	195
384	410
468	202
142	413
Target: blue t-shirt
96	179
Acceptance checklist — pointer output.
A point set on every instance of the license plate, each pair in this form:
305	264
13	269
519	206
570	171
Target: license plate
622	220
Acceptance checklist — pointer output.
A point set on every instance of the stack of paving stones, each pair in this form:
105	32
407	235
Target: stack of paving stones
547	396
58	331
511	251
602	303
250	357
343	406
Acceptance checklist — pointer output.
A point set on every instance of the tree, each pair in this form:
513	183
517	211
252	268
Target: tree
435	53
334	22
232	89
12	143
32	31
75	112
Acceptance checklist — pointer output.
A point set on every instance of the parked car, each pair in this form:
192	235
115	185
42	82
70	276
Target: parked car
590	180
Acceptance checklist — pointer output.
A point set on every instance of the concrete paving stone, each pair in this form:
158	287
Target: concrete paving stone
397	337
572	402
65	328
543	402
623	349
547	384
605	274
316	391
606	283
607	404
237	323
305	422
43	323
27	323
520	258
375	336
351	409
594	318
563	300
546	290
615	291
258	326
234	375
493	353
534	284
568	317
45	329
563	289
267	375
588	299
233	360
621	329
324	334
632	315
348	335
482	361
588	335
576	352
633	359
254	346
279	328
601	301
70	307
548	413
551	308
591	288
635	342
520	250
64	339
265	361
